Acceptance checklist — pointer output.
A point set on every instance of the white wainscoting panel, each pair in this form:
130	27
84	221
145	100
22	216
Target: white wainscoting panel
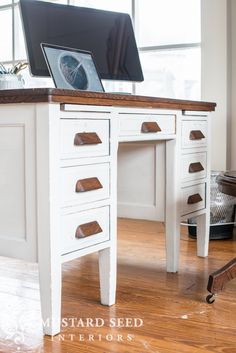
141	173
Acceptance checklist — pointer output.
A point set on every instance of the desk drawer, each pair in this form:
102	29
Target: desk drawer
84	138
83	184
194	133
84	229
194	166
193	198
133	125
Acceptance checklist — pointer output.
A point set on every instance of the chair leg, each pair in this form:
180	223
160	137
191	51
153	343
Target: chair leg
218	279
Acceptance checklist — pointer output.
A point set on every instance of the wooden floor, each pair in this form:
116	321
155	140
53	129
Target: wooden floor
172	307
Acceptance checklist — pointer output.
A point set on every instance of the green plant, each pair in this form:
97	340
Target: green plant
14	70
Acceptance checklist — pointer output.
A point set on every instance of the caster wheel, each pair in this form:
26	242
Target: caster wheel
210	298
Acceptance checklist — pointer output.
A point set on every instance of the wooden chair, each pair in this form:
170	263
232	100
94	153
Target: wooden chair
218	279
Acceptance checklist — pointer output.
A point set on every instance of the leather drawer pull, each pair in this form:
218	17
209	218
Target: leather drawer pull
194	199
87	229
86	138
150	126
88	184
195	167
196	135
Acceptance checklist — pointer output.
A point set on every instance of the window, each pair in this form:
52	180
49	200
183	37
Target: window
118	6
168	37
6	34
167	22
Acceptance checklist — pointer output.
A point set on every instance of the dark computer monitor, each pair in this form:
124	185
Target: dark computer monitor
108	35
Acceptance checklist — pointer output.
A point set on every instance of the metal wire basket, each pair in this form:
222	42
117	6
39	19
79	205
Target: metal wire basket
222	213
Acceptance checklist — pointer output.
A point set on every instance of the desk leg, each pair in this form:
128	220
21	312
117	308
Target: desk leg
108	256
172	207
203	228
203	221
48	215
50	294
107	272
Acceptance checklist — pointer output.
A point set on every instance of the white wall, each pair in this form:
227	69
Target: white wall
232	11
219	77
215	80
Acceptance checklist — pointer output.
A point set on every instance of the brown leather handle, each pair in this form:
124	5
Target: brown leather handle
87	229
194	199
150	126
196	135
195	167
86	138
88	184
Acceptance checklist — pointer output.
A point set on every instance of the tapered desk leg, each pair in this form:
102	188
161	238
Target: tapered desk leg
203	227
108	256
48	215
107	272
50	294
172	207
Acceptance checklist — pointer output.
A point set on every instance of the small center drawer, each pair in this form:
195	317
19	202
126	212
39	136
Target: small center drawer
83	184
84	138
193	198
194	166
194	133
133	125
83	229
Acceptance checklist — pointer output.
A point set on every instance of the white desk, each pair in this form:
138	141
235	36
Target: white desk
58	186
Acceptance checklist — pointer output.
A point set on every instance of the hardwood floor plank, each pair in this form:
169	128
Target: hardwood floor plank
172	307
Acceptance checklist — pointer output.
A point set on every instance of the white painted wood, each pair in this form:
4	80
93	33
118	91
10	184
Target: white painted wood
70	176
12	201
160	181
84	161
131	124
194	214
107	275
195	117
187	127
192	190
17	182
70	222
191	113
202	215
136	182
85	111
48	147
85	251
146	137
43	149
203	222
108	257
187	159
172	204
68	130
144	111
141	176
193	182
83	207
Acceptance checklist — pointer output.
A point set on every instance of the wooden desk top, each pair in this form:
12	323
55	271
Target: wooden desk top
54	95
